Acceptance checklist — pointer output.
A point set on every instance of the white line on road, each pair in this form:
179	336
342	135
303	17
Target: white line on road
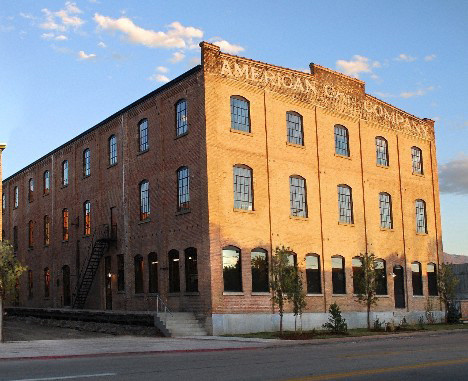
67	377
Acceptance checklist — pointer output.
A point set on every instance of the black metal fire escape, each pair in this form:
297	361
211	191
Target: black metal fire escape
99	245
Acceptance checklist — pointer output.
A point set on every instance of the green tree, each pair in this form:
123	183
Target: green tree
446	284
10	270
366	283
336	323
282	277
297	296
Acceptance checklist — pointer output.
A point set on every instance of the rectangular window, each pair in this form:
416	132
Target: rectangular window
143	135
298	201
338	275
232	274
191	270
46	283
46	231
381	275
16	197
416	156
153	273
259	267
120	273
112	150
341	141
345	204
3	202
65	224
294	128
357	276
65	173
174	273
421	217
30	284
240	119
432	279
314	285
86	162
181	117
417	279
144	200
138	267
183	189
87	218
381	151
385	205
243	188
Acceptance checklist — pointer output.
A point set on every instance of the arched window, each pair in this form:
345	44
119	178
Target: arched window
432	279
30	284
357	275
174	274
31	234
86	162
183	189
338	275
65	173
144	200
3	202
421	222
31	190
341	140
143	135
16	197
314	285
87	217
385	205
112	150
46	231
191	270
294	130
240	114
46	282
46	182
417	278
381	276
381	147
345	204
65	224
259	266
152	273
138	267
232	270
181	117
417	160
298	196
243	192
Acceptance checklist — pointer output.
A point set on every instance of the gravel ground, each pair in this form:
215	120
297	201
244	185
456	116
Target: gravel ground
29	329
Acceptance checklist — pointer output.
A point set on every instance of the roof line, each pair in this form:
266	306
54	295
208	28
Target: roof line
116	114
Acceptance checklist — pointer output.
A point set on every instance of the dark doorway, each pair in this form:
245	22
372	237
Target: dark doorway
66	285
108	282
113	223
399	287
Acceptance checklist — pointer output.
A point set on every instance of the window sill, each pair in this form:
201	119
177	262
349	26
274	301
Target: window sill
242	132
64	186
244	211
351	224
418	296
174	293
85	177
383	296
233	293
261	293
112	165
298	218
181	135
46	246
387	229
339	295
139	295
320	295
153	294
383	166
423	234
45	194
301	146
192	293
31	248
145	221
120	292
86	235
343	156
419	174
183	211
142	152
65	241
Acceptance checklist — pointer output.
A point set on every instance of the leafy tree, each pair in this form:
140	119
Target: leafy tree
297	296
10	270
366	283
282	278
446	284
336	323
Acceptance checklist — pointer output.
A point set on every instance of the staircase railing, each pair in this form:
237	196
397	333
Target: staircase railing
161	307
100	233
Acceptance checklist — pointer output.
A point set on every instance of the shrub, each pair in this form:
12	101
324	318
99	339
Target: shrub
336	323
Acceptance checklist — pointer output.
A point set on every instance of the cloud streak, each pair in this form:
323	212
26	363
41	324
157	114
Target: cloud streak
405	58
86	57
63	19
357	65
416	93
453	176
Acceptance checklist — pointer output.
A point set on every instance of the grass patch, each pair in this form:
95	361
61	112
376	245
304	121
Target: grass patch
356	332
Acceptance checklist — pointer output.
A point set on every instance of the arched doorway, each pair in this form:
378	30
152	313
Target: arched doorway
66	285
399	287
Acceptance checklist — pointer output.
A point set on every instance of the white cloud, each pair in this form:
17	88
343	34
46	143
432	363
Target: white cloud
102	45
453	176
358	64
383	95
416	93
194	61
227	47
177	57
159	78
176	37
63	19
162	69
52	36
83	56
430	57
61	37
405	57
27	16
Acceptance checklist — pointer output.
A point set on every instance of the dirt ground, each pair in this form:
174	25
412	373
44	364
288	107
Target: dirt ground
29	329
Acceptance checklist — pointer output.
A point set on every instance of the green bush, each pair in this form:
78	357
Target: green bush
336	323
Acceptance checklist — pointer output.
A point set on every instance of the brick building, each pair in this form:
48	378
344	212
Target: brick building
192	187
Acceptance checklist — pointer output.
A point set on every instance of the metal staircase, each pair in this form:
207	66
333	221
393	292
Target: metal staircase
99	245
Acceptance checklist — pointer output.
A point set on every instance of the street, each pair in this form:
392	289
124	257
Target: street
434	356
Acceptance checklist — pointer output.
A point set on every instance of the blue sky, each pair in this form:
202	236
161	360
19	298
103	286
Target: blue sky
64	66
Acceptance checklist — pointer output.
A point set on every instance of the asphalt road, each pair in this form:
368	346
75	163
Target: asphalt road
438	356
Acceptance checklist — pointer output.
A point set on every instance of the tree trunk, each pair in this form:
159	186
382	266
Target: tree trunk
281	323
1	319
368	317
